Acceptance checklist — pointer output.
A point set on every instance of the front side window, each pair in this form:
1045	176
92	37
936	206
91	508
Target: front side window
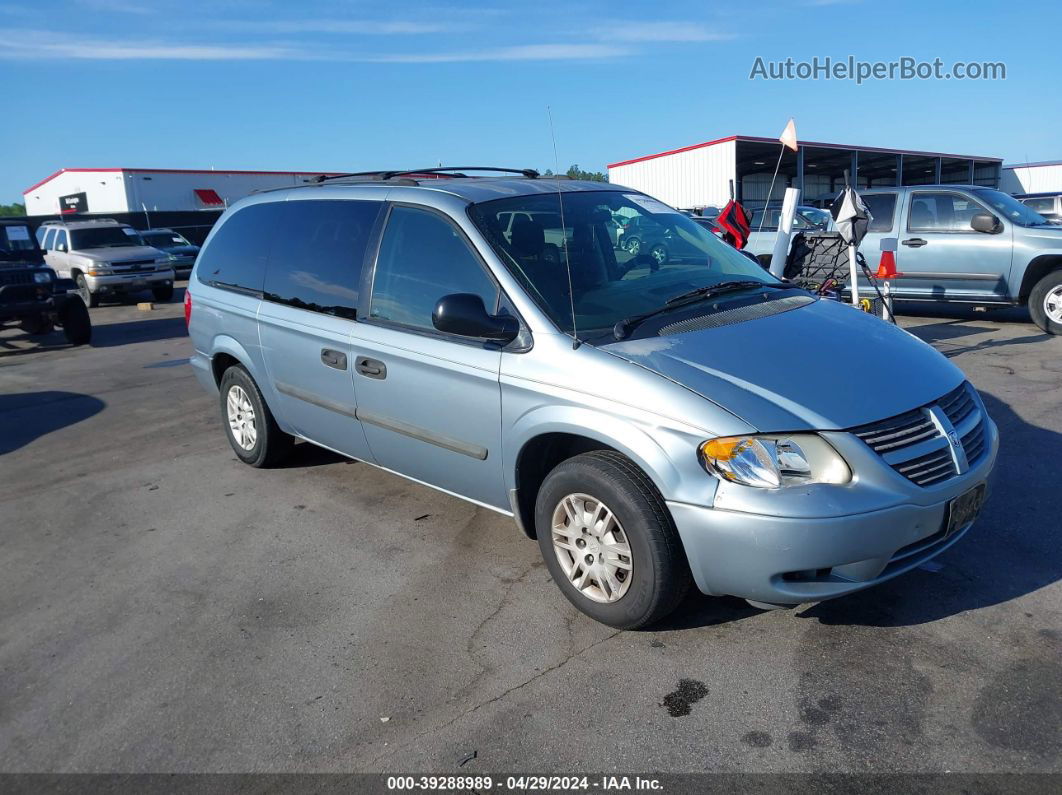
49	239
238	251
60	241
316	260
1040	205
942	212
101	237
882	207
610	279
423	257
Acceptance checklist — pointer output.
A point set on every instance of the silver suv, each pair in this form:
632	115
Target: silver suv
651	424
106	259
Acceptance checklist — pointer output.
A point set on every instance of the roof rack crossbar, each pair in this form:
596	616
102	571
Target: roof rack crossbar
454	171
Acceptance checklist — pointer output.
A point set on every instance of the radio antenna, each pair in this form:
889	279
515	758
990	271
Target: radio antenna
564	233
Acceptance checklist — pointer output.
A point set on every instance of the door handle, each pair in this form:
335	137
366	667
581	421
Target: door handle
334	359
914	242
370	368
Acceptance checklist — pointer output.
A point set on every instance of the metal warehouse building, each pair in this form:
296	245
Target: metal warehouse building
1033	177
123	190
700	175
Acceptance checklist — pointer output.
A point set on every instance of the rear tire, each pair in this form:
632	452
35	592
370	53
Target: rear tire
1045	303
162	295
652	575
87	296
253	433
77	326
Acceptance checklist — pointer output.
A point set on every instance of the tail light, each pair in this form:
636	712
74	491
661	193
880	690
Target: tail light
187	307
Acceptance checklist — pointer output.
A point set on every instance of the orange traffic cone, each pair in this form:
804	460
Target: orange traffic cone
887	267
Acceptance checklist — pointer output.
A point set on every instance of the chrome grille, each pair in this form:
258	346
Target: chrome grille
912	443
132	264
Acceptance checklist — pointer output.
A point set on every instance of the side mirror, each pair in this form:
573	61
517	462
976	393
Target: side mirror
463	314
987	223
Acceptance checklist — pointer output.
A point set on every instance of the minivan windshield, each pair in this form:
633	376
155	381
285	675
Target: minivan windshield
629	254
1010	208
101	237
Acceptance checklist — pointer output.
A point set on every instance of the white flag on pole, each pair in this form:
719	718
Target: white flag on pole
788	136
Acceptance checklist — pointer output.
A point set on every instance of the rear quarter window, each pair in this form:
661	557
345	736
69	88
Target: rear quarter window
882	207
237	254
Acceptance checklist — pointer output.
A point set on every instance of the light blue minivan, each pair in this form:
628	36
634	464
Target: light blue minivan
651	424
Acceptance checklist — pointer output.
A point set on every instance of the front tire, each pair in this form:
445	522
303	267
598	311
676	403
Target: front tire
253	433
632	246
77	326
609	541
90	298
1045	303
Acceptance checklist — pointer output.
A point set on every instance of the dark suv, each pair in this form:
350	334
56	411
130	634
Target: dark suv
30	292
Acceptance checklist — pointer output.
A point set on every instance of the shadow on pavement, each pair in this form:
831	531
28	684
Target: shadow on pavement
27	416
110	335
950	332
306	455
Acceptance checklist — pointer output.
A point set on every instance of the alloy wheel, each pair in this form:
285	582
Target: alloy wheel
241	417
1053	305
592	548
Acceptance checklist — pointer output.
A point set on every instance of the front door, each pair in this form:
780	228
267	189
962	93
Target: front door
430	403
943	258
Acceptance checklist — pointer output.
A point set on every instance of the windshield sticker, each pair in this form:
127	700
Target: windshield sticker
18	233
649	204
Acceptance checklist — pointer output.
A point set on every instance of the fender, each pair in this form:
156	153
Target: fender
666	454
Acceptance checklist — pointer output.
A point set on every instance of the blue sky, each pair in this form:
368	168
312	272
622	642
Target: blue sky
332	85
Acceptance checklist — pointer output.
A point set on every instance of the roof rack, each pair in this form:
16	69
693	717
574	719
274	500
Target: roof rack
79	219
450	171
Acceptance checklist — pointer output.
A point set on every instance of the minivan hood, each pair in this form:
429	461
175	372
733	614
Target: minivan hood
824	366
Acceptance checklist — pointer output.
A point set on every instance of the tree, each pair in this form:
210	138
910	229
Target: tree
575	172
12	210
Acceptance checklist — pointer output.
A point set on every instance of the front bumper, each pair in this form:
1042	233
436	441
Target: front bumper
789	560
130	282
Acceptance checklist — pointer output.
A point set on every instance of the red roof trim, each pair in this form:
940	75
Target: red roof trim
672	151
173	171
755	139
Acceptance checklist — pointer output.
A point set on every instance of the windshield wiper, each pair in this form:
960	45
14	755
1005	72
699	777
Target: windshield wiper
623	328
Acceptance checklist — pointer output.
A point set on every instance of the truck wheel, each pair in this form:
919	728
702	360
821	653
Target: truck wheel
89	297
37	325
77	327
253	433
162	294
609	542
1045	303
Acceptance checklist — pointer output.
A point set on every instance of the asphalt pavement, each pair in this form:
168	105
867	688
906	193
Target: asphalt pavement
168	609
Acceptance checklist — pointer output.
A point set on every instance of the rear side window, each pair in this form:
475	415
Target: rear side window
239	250
422	258
883	207
316	259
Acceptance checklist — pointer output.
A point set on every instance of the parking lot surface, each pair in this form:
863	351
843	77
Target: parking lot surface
166	608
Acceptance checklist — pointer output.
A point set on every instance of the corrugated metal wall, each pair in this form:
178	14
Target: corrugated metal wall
1033	179
694	178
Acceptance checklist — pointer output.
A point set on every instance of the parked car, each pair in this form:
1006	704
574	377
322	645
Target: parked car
1049	205
648	423
30	292
761	239
182	253
106	259
646	235
969	244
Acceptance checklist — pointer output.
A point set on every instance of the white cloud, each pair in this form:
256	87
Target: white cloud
365	27
522	52
36	45
636	31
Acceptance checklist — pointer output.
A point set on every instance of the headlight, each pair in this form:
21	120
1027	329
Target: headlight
42	277
771	462
99	269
